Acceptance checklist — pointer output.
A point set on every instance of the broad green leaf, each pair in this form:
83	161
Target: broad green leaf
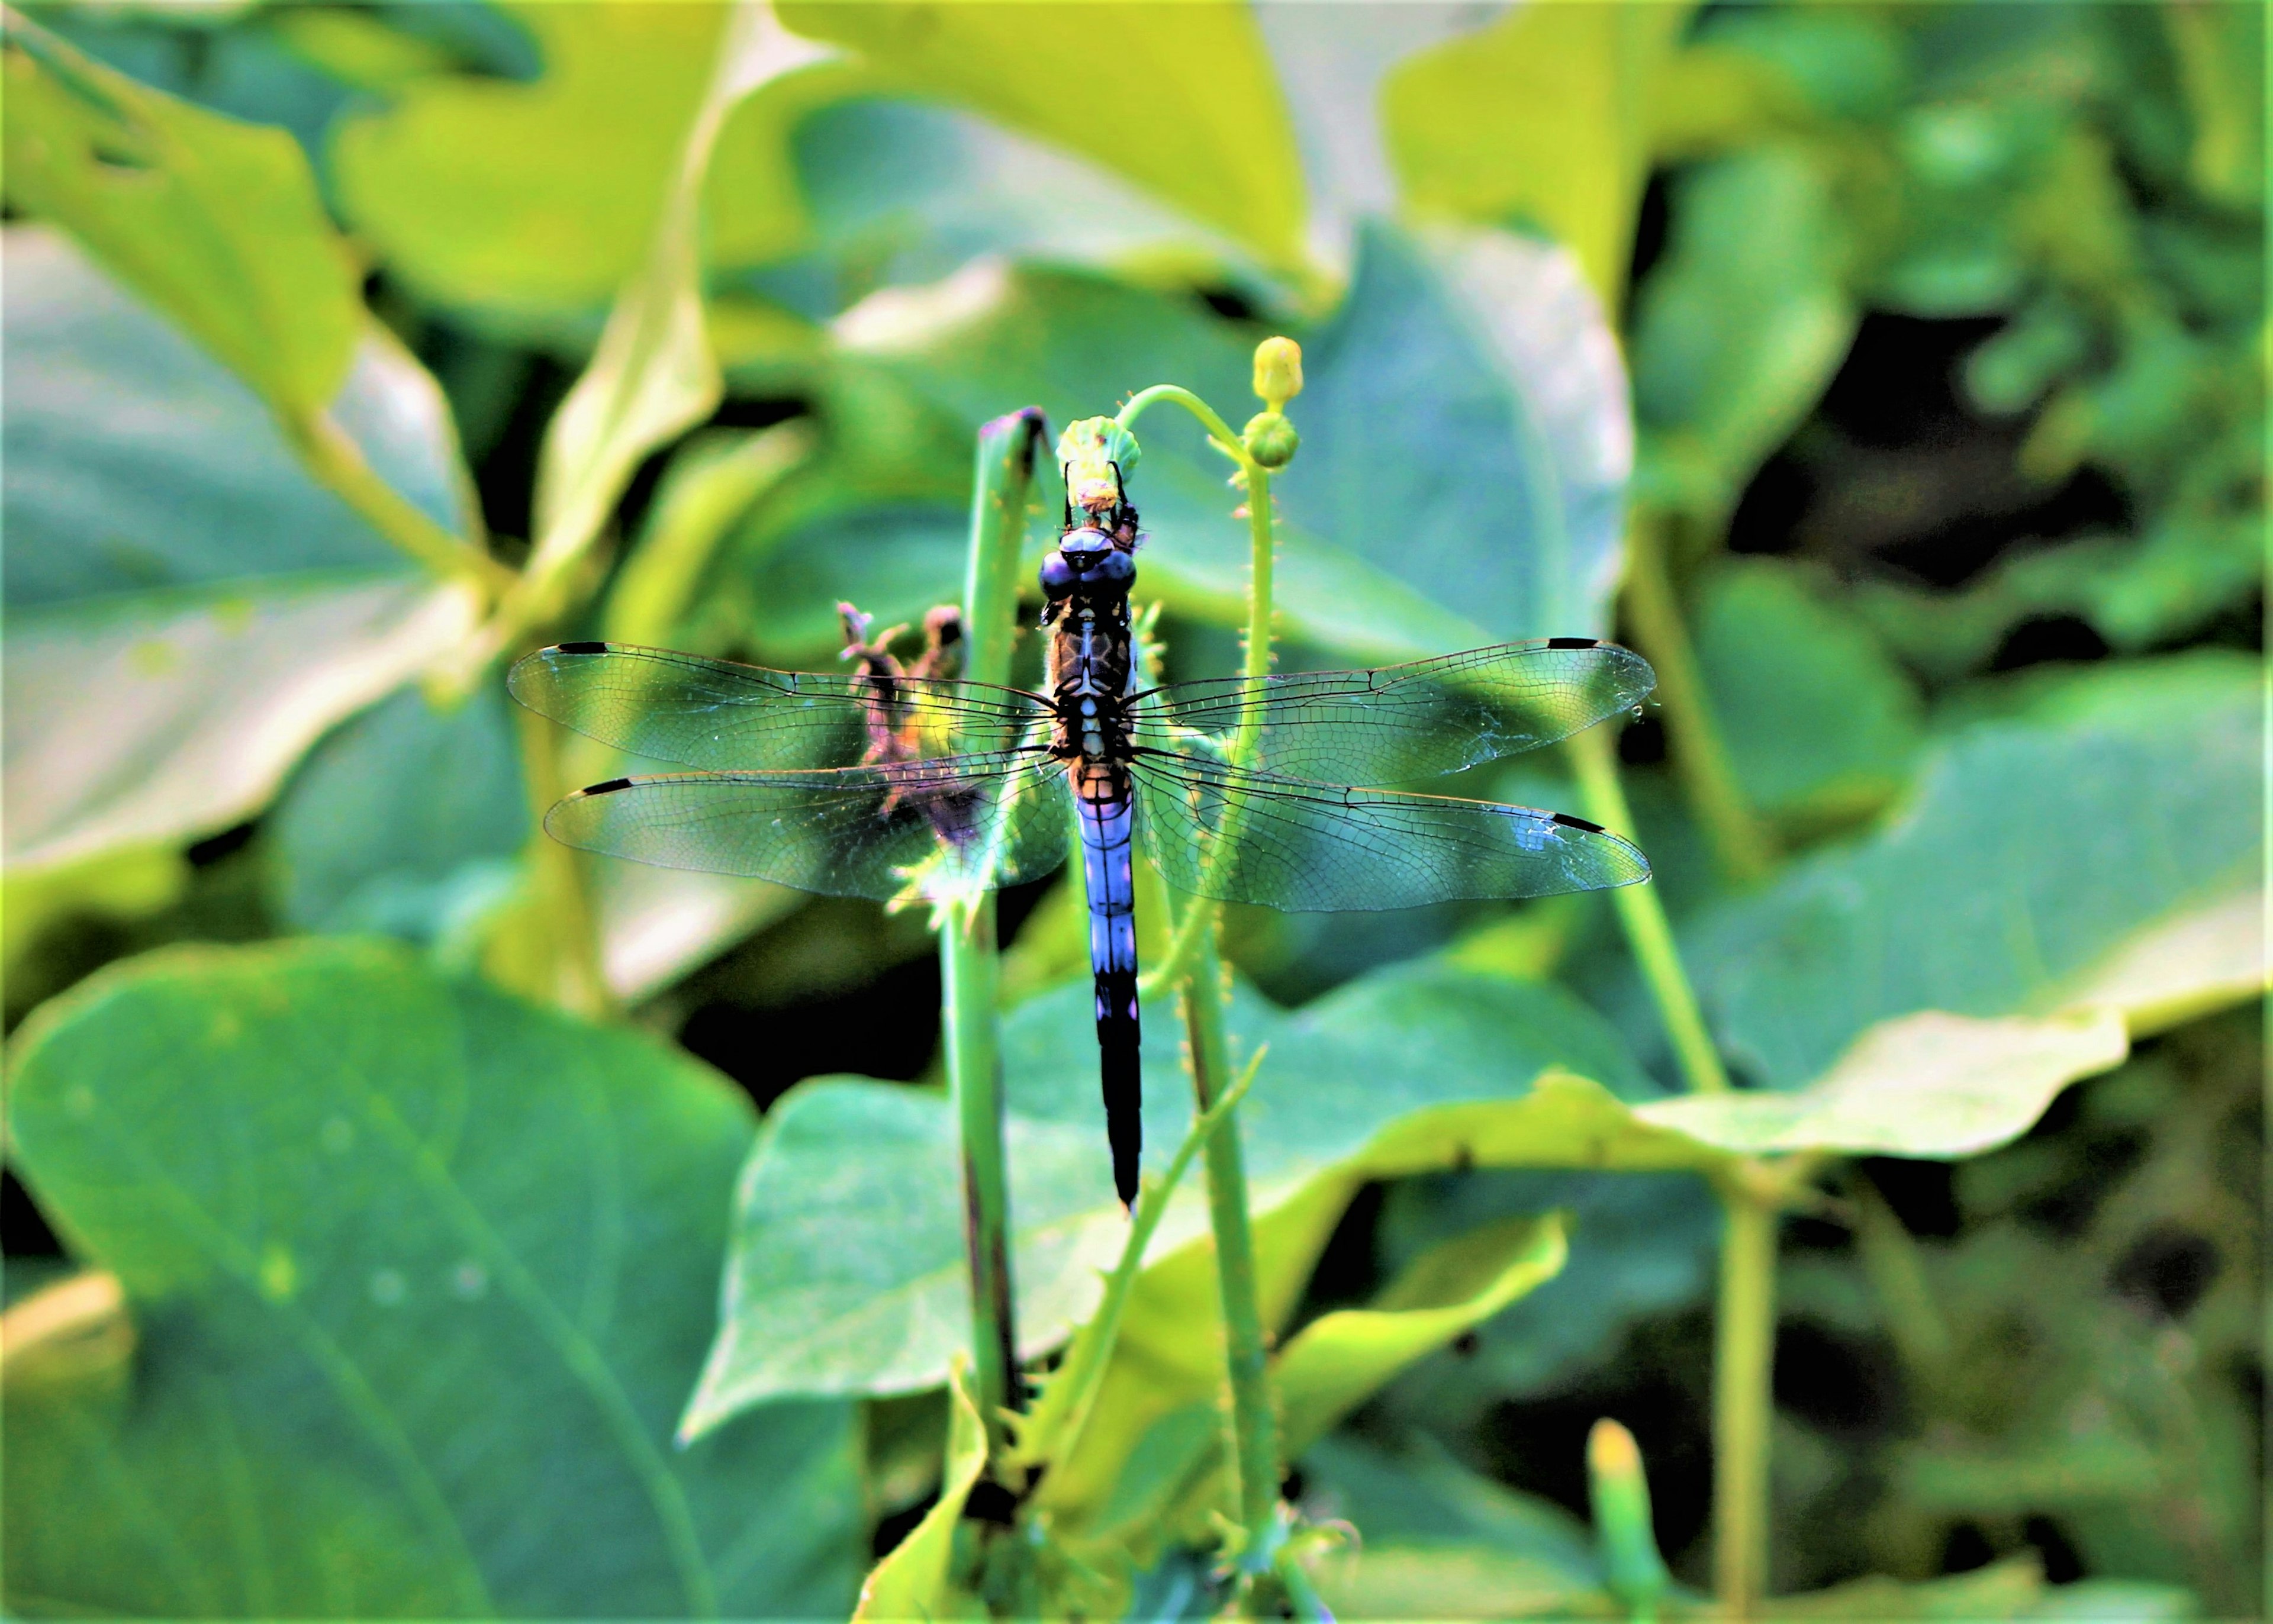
847	1275
216	223
1325	1370
420	1272
1822	729
905	191
1542	119
1217	142
1928	1084
528	200
913	1582
2039	851
1465	433
1465	438
1739	330
186	611
653	375
403	821
1640	1244
163	716
1330	64
136	462
1337	1360
1435	1540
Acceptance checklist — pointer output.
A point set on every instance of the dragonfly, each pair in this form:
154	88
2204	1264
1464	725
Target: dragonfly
899	782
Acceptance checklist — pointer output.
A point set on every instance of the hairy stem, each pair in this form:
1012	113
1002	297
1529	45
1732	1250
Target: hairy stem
1254	1418
969	967
1741	843
1192	958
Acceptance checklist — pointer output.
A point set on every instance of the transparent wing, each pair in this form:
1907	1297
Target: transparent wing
1310	848
1405	721
725	717
950	823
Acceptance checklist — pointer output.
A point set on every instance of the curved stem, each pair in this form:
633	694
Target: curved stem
1643	914
1217	429
1741	842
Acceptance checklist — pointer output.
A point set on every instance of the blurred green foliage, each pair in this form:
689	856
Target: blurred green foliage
354	349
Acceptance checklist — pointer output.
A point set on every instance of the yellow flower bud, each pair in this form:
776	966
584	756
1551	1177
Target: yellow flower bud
1278	372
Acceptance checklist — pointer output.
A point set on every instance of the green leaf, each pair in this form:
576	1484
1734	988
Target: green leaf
404	820
216	223
847	1273
1640	1244
1435	1540
2040	852
1821	728
1217	140
1465	439
1929	1084
1737	331
653	375
186	610
905	192
420	1272
1543	118
527	201
914	1582
1338	1359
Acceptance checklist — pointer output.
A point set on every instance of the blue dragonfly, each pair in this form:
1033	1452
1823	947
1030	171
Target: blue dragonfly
901	783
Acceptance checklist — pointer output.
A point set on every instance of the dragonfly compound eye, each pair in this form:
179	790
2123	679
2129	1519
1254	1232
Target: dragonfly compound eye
1117	568
1057	576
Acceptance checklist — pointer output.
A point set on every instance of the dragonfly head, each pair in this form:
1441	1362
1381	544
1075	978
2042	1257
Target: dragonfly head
1087	560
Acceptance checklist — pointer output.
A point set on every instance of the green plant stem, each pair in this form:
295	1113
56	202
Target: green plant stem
1743	1399
1253	1417
969	963
570	933
1741	842
1745	1325
1052	1432
331	454
1593	755
1191	964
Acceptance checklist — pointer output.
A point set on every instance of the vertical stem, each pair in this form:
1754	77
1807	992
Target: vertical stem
1254	1419
1744	1359
970	970
1743	847
572	936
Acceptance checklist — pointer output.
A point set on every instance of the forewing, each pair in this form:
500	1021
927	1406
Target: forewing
929	827
1405	722
1307	847
725	717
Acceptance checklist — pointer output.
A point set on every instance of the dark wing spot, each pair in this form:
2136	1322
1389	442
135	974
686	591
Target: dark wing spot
580	649
614	784
1573	642
1568	822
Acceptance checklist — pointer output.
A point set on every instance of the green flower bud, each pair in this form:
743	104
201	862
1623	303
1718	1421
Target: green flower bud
1271	439
1623	1531
1278	372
